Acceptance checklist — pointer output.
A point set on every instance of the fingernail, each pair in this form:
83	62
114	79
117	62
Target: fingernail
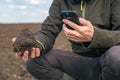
37	52
16	55
63	20
14	39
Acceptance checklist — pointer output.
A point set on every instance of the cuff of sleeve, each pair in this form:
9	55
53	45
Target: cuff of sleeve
95	39
101	39
40	45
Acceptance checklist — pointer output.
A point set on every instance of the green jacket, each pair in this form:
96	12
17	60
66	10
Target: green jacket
103	14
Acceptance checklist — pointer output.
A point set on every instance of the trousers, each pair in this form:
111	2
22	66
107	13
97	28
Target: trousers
53	65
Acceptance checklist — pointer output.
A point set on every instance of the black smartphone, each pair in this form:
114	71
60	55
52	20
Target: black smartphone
70	15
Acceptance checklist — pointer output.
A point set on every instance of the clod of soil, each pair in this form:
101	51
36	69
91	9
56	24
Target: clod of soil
25	41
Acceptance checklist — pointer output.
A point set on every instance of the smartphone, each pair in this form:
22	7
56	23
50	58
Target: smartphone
70	15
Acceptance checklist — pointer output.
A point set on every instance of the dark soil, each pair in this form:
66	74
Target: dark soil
25	41
10	67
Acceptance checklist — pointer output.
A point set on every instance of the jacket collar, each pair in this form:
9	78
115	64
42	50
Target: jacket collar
75	1
78	1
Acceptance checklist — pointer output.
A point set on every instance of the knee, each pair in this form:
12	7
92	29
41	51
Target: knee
112	58
41	70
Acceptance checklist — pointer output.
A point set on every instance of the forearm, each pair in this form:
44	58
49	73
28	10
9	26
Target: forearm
45	40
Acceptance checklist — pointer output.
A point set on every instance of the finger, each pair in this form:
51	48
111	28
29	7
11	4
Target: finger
14	39
71	24
74	38
37	51
78	32
25	55
65	29
74	35
32	53
77	39
18	55
71	32
84	22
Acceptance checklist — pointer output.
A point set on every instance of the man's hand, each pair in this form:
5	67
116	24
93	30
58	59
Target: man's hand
82	33
35	52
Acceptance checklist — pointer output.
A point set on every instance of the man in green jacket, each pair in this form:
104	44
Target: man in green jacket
95	44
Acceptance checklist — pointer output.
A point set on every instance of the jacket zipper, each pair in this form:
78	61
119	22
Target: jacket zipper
83	8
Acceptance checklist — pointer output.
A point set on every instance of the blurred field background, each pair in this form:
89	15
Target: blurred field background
10	67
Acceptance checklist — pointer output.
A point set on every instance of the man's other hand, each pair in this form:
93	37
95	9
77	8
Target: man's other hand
35	52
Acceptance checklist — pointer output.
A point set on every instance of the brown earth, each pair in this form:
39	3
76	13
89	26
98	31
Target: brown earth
10	67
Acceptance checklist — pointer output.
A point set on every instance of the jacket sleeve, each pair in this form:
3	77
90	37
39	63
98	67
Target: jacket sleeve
107	38
50	28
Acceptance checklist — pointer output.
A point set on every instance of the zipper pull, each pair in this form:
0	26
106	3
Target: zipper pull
81	5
